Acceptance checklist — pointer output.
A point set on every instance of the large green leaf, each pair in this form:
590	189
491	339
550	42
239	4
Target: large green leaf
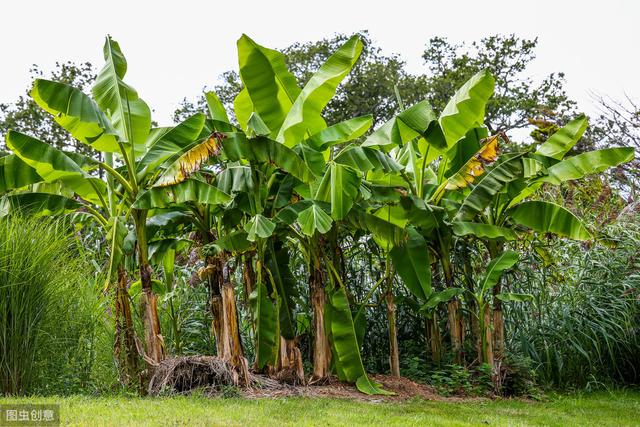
305	116
385	233
270	86
128	114
417	120
507	169
546	217
465	110
591	162
277	261
339	133
15	173
496	267
38	204
483	231
77	113
238	147
365	159
216	109
54	165
413	264
345	343
243	108
172	142
437	298
259	227
564	139
339	186
313	219
192	190
267	330
235	179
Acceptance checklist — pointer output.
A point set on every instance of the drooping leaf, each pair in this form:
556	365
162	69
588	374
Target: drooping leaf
237	147
483	231
345	344
277	261
54	165
14	173
192	190
513	297
37	204
235	242
259	227
305	117
76	113
465	110
267	330
313	219
189	162
172	142
507	169
496	267
588	163
437	298
128	114
235	179
365	159
564	139
339	186
475	166
339	133
417	120
412	262
546	217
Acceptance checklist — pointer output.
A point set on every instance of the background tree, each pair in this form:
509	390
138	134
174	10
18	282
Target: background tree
517	99
25	116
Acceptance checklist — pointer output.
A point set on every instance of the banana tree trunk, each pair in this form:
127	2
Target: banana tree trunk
290	366
433	336
486	354
225	326
394	355
456	329
498	325
148	300
454	311
125	351
321	348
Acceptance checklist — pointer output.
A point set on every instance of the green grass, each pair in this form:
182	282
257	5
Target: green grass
616	409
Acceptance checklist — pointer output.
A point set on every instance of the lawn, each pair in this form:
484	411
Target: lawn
615	409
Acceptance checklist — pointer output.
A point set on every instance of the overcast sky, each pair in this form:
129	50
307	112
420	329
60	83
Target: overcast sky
175	48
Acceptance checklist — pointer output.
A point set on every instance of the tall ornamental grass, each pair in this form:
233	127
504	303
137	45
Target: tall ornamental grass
46	311
583	327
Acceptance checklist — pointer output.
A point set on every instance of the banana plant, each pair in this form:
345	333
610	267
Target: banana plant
116	122
497	207
439	155
42	180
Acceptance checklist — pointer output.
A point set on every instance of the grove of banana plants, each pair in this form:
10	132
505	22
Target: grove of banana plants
293	228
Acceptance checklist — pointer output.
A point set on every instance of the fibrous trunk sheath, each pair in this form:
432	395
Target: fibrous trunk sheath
321	349
394	355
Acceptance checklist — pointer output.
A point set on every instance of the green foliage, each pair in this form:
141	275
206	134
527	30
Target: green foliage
581	328
48	308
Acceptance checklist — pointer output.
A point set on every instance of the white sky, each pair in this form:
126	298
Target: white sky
175	48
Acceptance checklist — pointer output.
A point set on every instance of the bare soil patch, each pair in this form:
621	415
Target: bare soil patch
182	375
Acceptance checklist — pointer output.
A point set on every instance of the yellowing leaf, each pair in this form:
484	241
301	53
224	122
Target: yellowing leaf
475	166
190	161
